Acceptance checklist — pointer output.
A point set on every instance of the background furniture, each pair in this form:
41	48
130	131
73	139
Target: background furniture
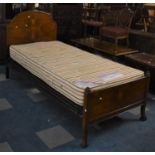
150	18
118	28
90	19
142	41
139	19
68	18
146	62
102	47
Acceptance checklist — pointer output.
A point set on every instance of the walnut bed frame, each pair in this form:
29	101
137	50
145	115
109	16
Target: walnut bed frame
35	26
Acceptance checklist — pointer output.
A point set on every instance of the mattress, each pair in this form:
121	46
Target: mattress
70	70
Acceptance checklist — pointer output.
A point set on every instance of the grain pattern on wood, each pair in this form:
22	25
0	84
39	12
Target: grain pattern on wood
31	26
106	102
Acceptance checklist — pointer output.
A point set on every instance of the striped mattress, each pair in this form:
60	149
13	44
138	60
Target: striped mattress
70	70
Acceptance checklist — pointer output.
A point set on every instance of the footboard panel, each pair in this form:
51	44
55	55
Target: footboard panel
109	102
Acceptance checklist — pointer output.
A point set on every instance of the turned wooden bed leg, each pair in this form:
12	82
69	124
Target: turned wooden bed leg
143	106
85	120
143	113
7	71
84	142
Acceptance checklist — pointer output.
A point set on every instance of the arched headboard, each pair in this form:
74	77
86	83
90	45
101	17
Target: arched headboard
31	26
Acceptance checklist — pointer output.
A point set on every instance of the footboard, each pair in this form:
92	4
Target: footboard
106	103
103	103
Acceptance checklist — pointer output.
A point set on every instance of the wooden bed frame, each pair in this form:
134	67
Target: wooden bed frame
34	26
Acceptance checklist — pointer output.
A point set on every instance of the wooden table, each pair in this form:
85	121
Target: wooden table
103	47
145	59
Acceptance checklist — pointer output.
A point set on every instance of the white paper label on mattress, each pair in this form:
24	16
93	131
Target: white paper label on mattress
110	76
85	84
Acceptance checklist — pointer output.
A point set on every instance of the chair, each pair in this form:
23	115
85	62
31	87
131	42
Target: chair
150	21
91	19
117	25
140	20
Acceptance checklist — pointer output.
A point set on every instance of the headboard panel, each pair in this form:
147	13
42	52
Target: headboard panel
31	26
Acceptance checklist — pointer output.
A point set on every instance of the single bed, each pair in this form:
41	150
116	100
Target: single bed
101	87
